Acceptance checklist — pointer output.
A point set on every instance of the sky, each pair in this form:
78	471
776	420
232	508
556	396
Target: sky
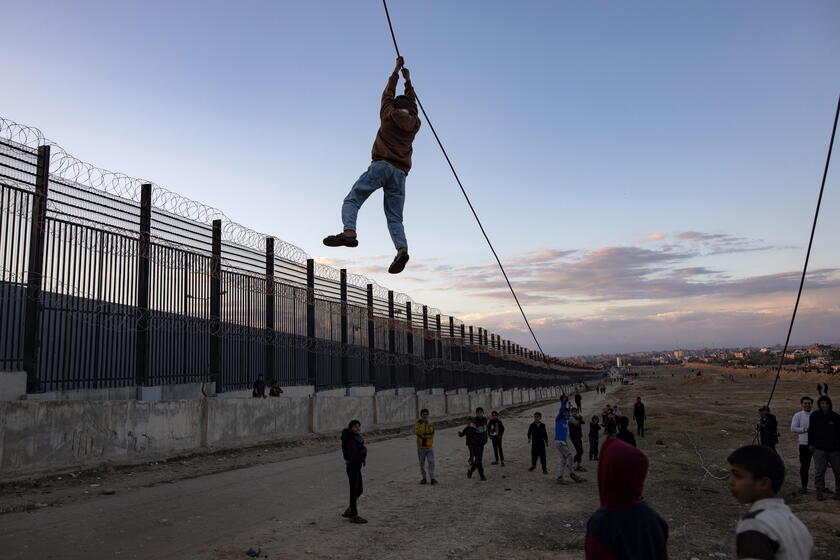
647	171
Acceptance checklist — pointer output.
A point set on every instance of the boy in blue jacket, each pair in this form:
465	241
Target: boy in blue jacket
561	437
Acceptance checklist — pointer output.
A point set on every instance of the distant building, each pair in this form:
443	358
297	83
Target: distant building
619	361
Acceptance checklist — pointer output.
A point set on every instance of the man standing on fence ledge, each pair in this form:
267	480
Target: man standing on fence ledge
391	156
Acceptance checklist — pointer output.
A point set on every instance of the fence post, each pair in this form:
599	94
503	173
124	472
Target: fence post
143	273
216	305
438	343
392	381
472	339
345	370
311	374
371	337
35	271
269	310
409	344
463	341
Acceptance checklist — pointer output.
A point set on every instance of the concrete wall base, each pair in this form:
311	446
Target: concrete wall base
12	385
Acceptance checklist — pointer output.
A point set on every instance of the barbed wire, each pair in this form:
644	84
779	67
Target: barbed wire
67	169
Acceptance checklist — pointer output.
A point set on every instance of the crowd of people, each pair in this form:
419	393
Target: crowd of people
625	525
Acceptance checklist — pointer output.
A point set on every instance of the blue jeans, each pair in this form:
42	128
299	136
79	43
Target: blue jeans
391	180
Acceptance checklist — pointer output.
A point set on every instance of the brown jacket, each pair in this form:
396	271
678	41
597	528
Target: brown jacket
397	129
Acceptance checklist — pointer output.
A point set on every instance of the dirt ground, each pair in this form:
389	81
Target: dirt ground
693	424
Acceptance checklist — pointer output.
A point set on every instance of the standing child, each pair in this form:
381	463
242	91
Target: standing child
770	529
624	434
469	433
538	438
561	436
496	430
576	424
594	429
355	457
425	432
479	441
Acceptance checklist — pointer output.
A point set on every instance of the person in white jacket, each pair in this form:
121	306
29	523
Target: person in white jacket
799	425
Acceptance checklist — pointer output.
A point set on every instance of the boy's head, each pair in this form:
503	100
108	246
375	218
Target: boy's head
402	102
494	415
824	403
537	416
259	377
807	403
595	419
755	472
623	422
638	399
479	412
424	414
355	426
764	410
273	382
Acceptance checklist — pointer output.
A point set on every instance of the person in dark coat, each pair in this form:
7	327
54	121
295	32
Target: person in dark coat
259	388
496	430
824	442
538	438
624	434
768	428
355	457
625	526
578	400
639	416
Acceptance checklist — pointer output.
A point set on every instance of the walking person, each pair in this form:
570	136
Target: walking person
768	428
576	425
578	400
799	425
561	436
478	443
355	457
425	432
495	429
538	438
824	442
639	416
391	163
819	389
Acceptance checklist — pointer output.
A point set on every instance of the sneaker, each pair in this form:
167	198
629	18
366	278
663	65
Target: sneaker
494	463
545	471
561	480
423	481
434	481
469	473
358	519
503	463
532	468
820	496
347	513
483	478
575	477
399	263
340	240
580	468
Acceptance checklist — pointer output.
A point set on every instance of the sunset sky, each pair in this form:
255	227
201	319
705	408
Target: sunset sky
648	171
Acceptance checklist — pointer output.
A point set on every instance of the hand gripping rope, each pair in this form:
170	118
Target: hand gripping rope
464	192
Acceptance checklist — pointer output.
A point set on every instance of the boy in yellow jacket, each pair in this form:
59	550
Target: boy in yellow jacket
425	431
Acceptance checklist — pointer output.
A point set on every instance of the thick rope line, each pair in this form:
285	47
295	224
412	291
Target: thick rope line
808	253
463	191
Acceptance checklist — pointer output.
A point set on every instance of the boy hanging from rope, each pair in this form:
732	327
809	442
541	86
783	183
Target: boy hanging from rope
391	163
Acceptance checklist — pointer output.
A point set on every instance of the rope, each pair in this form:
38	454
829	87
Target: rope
808	253
463	191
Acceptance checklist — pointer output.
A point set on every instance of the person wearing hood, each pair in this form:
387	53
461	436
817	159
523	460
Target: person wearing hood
768	428
625	526
355	457
824	442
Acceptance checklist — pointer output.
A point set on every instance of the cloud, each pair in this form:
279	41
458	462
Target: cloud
656	236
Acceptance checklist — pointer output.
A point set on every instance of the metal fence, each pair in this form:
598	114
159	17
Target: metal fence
109	281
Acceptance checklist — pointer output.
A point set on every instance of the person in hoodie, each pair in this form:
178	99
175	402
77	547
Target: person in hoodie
770	530
799	425
391	163
768	428
561	436
495	429
594	429
576	424
625	526
479	441
824	442
355	457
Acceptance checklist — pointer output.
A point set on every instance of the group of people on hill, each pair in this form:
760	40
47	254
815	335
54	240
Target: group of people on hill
818	432
625	525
